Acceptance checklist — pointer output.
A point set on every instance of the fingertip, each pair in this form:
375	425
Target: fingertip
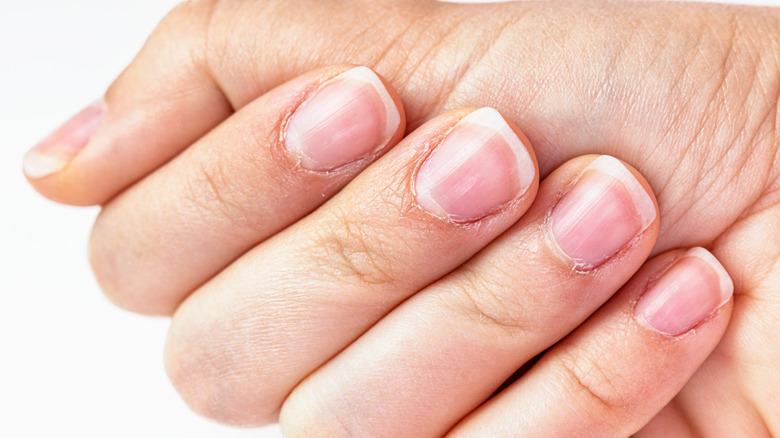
48	165
351	116
483	164
604	208
399	106
692	289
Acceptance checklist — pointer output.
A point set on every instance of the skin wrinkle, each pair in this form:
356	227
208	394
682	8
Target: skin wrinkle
478	314
607	380
489	307
769	127
685	150
744	157
206	55
571	375
429	56
483	53
474	74
214	194
729	70
498	315
686	72
603	89
197	39
774	185
346	255
675	87
224	194
716	103
393	43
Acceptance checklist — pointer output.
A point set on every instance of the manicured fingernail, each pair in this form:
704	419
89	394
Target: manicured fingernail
59	148
480	166
688	292
604	210
350	117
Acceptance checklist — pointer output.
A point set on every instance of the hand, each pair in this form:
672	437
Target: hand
321	317
643	86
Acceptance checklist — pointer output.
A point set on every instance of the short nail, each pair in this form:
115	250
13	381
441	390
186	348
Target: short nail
58	149
350	117
480	166
604	211
690	290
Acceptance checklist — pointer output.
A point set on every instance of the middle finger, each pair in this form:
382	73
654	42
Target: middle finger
239	344
447	349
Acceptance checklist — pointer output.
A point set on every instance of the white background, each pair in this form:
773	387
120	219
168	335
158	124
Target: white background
70	363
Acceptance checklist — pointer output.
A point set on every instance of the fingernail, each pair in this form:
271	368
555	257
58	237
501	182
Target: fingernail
694	287
59	148
604	211
480	166
350	117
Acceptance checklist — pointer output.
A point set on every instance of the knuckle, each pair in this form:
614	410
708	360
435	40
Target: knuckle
189	373
306	413
212	191
184	31
306	419
110	269
491	300
103	263
186	10
594	386
349	250
208	370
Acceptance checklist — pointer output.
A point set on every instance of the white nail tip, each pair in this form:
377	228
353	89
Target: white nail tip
37	165
491	119
611	166
365	74
726	284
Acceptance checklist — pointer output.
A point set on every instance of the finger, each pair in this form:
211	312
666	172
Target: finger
442	55
749	251
240	343
447	349
274	161
164	101
669	422
612	375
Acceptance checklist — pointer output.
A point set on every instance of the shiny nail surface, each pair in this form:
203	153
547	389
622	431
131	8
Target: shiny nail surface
350	117
690	290
60	147
480	166
604	210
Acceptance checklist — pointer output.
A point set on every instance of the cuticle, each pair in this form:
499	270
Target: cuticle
651	280
578	267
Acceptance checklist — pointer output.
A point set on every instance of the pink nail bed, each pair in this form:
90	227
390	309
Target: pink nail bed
350	117
58	149
604	211
480	166
690	290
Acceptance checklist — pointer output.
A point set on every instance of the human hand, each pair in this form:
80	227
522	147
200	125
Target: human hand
605	106
400	225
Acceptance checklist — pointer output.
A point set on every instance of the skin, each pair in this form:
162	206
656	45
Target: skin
687	94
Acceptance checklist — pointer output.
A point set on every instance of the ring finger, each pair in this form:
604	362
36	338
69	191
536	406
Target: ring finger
446	350
240	343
